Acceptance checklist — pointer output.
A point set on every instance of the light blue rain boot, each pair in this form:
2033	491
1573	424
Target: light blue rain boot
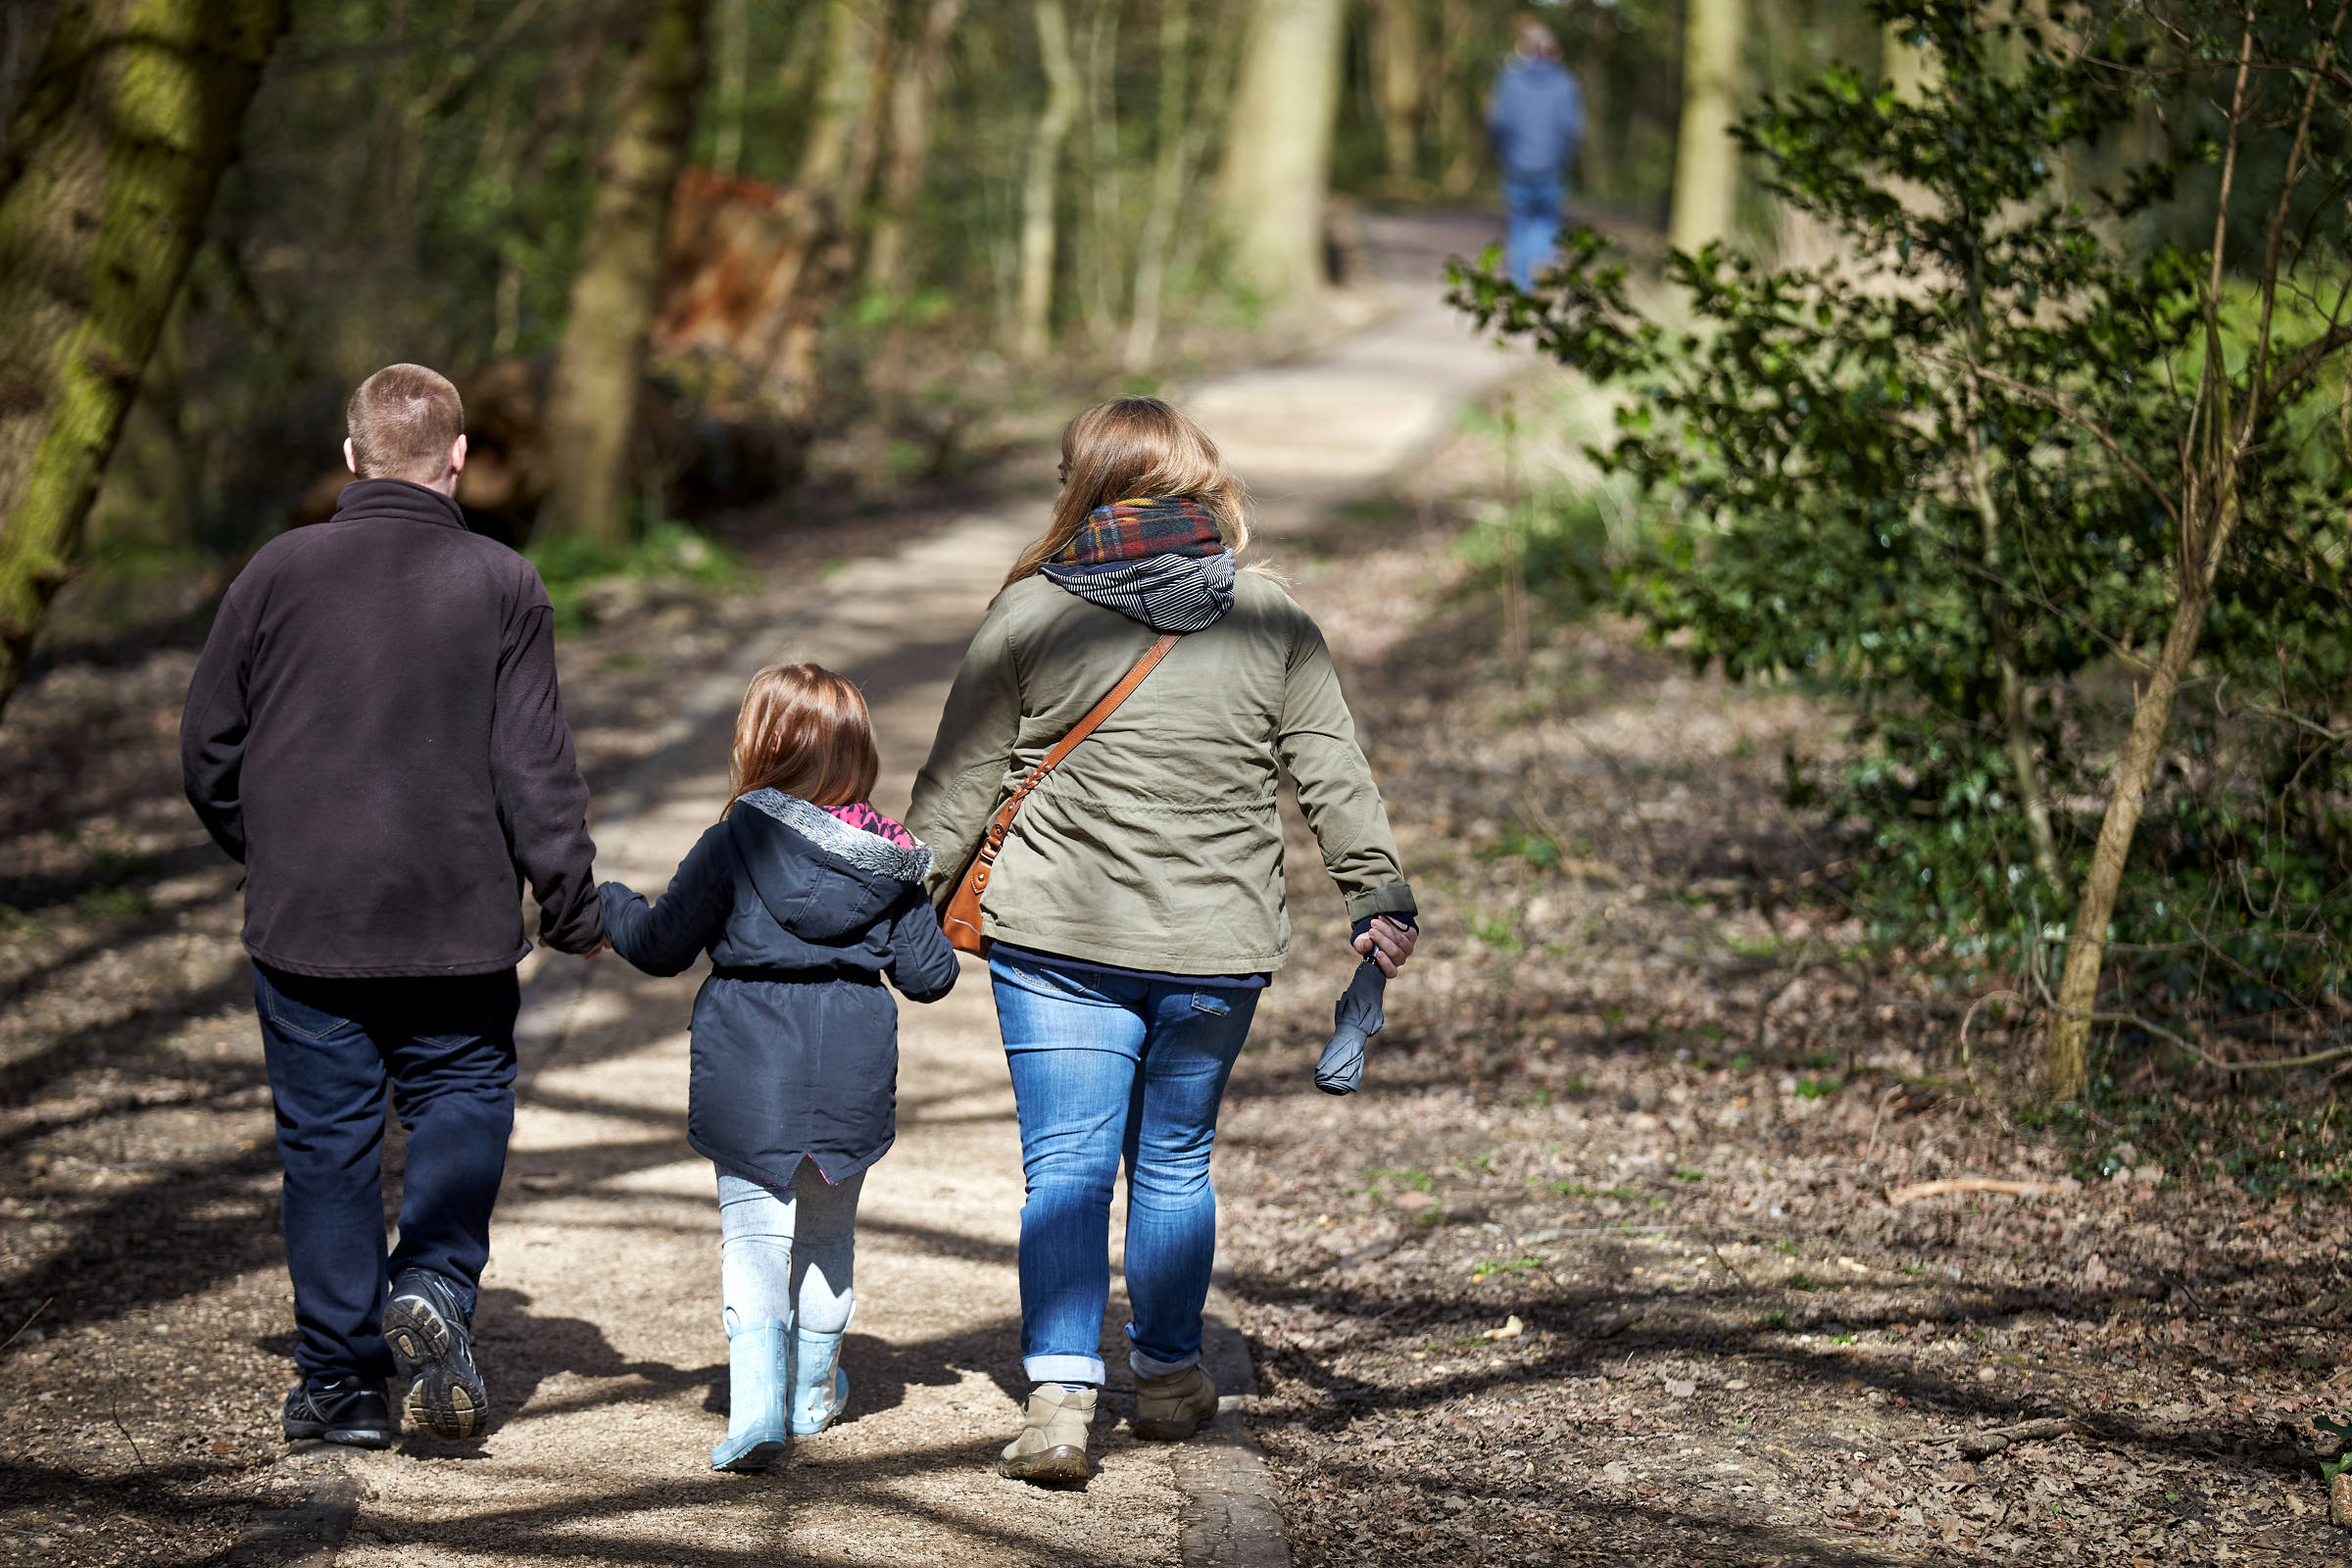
820	1388
756	1435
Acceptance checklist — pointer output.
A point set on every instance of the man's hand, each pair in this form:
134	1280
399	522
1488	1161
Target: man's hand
1389	943
603	945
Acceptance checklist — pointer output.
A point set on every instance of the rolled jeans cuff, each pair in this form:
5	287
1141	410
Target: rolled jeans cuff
1086	1369
1151	1366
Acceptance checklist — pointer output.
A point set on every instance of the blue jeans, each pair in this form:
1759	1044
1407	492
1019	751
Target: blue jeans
446	1048
767	1235
1106	1069
1530	205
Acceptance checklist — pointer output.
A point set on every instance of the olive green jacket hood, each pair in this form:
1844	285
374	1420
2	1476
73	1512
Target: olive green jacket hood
1158	843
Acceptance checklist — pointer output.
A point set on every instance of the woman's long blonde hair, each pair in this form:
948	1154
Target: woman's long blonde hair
1126	449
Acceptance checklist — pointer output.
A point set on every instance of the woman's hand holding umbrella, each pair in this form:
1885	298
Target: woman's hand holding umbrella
1386	945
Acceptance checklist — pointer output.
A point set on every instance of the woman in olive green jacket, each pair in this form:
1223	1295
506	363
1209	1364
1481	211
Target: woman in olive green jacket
1136	909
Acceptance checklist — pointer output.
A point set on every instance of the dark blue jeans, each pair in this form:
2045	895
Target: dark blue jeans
1531	204
446	1049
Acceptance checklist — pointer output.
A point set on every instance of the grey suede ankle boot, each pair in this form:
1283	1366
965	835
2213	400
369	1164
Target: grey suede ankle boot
1171	1407
1052	1447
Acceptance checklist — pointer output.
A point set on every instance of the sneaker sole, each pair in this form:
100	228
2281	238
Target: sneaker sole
349	1437
446	1396
1060	1466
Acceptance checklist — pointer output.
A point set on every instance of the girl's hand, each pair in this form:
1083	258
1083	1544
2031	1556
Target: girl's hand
1389	943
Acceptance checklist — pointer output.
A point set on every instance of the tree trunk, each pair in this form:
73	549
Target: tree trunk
1397	66
1278	147
1461	139
853	44
592	402
2068	1062
912	89
117	143
1171	162
1706	164
734	82
1103	259
1038	228
2017	730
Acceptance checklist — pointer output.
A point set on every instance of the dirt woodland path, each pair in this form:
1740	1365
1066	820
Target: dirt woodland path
602	1293
1599	1268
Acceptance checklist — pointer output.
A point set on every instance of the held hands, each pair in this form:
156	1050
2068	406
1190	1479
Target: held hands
1388	943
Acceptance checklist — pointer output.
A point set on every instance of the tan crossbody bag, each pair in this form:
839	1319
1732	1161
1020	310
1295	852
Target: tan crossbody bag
961	917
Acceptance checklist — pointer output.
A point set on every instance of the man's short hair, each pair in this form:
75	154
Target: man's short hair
402	421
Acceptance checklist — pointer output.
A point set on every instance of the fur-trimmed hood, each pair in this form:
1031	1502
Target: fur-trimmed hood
867	851
818	876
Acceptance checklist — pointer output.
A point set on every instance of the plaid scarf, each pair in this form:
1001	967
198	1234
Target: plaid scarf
1130	531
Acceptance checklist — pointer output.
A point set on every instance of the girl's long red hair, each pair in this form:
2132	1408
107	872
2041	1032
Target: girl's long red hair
806	731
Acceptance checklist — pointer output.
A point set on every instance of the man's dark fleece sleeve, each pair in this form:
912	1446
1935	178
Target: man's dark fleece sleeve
212	729
541	797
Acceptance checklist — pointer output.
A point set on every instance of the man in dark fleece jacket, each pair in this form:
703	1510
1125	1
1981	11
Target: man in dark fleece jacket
374	731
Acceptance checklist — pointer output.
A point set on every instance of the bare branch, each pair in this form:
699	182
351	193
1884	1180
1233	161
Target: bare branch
2070	414
2278	234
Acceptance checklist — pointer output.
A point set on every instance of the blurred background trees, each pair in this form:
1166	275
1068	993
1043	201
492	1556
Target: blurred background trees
667	271
2051	497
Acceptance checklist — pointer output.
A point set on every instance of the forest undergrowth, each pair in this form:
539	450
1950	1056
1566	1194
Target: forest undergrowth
1633	1248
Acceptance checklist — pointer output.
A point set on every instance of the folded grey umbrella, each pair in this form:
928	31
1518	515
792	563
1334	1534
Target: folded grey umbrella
1357	1019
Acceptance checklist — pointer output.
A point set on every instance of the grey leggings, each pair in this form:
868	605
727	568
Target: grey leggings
778	1246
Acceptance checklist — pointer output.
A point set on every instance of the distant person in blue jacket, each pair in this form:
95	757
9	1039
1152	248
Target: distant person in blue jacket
1535	118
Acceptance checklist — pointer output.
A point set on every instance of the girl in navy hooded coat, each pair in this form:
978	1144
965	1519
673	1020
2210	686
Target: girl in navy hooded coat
805	897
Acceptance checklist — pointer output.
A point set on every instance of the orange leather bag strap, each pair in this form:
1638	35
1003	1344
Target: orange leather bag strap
1078	732
960	918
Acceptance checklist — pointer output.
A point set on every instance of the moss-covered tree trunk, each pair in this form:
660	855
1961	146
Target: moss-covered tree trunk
1278	147
112	158
1706	163
592	405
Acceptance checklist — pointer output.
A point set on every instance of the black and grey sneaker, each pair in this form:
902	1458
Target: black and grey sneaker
345	1410
432	1345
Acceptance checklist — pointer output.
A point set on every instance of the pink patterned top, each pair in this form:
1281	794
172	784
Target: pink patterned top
859	814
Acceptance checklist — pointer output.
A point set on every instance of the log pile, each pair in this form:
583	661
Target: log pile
753	268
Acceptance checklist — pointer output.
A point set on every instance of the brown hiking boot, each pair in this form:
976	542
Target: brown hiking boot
1172	1408
1052	1447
